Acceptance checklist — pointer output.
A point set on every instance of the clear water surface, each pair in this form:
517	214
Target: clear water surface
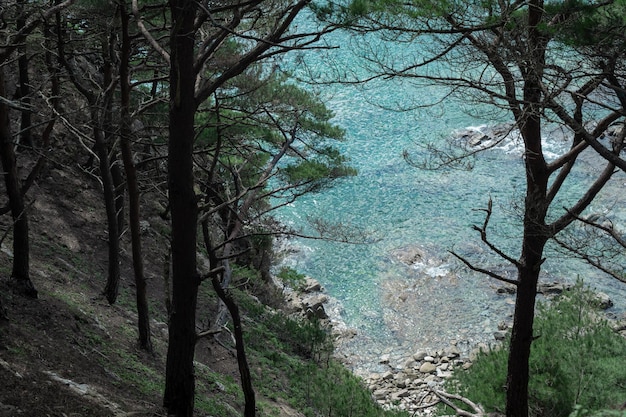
401	308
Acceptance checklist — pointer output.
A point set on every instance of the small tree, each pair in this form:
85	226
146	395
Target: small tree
209	45
15	190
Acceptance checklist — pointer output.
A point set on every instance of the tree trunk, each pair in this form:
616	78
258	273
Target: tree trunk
536	232
143	312
179	379
21	246
26	135
242	361
102	120
233	309
119	184
113	278
518	374
535	236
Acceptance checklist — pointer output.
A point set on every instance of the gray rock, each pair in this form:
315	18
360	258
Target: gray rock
380	394
387	375
400	394
604	301
443	374
311	285
500	335
401	383
428	367
314	305
410	363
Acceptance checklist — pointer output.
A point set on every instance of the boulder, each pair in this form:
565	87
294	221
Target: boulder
428	367
452	352
314	306
604	301
311	285
499	335
380	394
553	288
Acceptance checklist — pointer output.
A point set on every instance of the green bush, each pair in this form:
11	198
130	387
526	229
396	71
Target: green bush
581	412
292	359
291	277
576	361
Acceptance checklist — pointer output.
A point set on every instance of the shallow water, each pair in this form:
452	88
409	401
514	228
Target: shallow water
401	308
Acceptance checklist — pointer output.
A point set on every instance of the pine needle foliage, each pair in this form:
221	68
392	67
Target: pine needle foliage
576	364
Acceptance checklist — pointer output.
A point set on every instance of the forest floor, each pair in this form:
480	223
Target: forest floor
70	353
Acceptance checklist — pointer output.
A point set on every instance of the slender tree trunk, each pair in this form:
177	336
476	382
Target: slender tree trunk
113	278
21	246
536	232
226	297
108	127
102	119
143	312
179	379
26	135
535	237
119	184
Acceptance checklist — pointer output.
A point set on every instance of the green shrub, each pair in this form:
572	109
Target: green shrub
291	359
576	360
291	277
582	412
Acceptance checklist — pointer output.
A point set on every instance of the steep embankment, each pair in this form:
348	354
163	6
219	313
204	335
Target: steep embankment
69	353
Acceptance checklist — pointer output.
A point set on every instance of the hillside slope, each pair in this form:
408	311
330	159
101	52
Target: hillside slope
69	353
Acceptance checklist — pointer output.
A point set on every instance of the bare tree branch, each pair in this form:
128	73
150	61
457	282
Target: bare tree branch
447	398
147	35
483	235
482	270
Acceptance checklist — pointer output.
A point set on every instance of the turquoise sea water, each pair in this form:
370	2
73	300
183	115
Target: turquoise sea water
400	308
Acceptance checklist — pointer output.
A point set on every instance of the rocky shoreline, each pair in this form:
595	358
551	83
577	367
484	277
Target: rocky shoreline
408	383
411	383
414	382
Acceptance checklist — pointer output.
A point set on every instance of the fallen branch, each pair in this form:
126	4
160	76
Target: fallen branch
447	398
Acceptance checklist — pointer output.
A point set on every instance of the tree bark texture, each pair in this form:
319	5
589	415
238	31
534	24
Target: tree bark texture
179	378
535	236
143	312
113	279
21	246
26	135
536	233
233	309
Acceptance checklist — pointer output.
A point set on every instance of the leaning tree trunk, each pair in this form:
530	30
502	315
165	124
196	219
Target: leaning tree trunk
179	374
21	246
143	313
227	298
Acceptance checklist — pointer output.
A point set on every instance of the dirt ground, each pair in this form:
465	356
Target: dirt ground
69	353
